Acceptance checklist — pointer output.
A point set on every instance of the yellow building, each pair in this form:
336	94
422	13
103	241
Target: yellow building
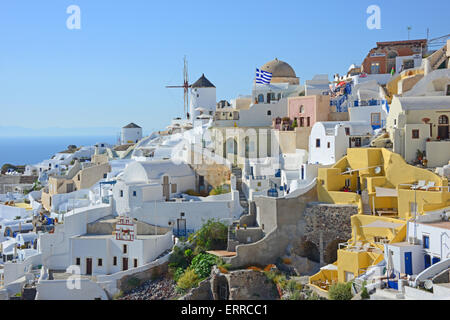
388	193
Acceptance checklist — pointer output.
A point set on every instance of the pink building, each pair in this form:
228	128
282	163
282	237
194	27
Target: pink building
308	110
305	111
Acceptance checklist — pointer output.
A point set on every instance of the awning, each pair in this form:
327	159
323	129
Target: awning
382	224
386	192
329	267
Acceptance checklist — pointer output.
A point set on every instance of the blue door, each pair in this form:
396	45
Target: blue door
427	261
408	263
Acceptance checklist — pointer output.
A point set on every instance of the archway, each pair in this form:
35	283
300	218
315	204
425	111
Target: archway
309	250
330	252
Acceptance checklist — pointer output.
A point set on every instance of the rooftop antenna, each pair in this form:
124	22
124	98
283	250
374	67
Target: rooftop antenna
185	86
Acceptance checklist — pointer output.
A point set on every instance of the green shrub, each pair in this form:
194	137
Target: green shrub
364	293
188	280
291	285
203	263
213	235
178	259
296	295
177	274
341	291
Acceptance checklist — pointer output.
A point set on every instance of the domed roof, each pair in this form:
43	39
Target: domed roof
279	69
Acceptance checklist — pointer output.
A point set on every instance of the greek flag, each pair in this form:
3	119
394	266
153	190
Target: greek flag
263	77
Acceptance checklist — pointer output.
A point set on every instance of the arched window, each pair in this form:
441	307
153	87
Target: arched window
260	98
392	55
302	109
269	113
443	119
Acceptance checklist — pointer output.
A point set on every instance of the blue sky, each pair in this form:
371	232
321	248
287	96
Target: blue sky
115	68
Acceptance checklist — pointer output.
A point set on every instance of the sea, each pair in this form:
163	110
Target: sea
32	150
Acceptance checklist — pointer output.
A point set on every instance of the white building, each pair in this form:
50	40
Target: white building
154	192
328	141
131	133
268	101
426	252
203	99
368	103
125	249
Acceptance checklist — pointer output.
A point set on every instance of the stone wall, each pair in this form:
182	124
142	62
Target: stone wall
299	226
250	285
202	292
124	283
327	225
283	221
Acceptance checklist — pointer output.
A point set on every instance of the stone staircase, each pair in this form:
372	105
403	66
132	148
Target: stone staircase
365	201
438	57
237	172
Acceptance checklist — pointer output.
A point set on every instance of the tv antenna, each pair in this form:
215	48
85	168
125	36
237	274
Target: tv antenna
185	86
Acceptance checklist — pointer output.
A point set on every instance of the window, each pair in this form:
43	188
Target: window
448	90
308	122
260	98
269	113
125	248
415	134
347	131
408	64
121	193
135	263
78	261
105	175
347	183
328	145
100	262
302	109
302	122
174	188
134	193
375	68
443	119
78	177
426	242
114	261
375	119
317	143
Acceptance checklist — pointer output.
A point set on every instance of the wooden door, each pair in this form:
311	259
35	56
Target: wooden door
124	264
443	132
89	266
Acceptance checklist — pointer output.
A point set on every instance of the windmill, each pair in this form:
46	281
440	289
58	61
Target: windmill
186	86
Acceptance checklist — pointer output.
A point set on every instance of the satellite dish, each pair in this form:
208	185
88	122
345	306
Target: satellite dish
428	284
377	170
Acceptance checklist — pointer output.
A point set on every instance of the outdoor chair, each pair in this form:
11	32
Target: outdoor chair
428	186
419	185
